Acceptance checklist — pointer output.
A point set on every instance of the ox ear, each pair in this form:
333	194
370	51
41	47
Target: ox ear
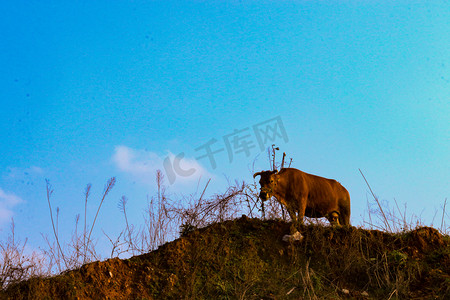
256	174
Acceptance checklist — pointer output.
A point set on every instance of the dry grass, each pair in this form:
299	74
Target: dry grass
395	219
15	264
323	264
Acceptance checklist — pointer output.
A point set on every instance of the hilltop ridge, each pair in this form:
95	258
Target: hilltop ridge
245	258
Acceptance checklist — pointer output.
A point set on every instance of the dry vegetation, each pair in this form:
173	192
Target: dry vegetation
217	254
245	258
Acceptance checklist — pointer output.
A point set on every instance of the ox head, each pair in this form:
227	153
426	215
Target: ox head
268	182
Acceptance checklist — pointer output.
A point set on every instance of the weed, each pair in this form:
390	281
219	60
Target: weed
219	255
15	264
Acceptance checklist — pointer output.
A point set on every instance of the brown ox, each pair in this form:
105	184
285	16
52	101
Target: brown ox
306	195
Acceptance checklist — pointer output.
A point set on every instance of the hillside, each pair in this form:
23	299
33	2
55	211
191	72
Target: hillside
247	259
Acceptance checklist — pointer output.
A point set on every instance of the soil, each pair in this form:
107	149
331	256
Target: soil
247	259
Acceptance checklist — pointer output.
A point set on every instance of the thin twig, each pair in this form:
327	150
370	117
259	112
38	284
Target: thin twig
443	213
49	193
391	294
376	199
203	193
108	187
88	189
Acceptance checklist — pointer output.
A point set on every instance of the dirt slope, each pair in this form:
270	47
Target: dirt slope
247	259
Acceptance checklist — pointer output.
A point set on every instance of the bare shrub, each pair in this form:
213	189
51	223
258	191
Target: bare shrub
158	227
158	218
17	265
81	248
200	212
165	218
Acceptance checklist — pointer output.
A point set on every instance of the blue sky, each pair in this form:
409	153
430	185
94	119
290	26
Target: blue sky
94	90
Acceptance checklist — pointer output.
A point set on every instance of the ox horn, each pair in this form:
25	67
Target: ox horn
256	174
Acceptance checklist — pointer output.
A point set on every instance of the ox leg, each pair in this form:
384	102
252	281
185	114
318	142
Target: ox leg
334	218
297	217
294	226
295	235
301	212
344	212
344	218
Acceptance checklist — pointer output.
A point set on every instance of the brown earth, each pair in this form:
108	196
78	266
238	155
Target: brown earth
247	259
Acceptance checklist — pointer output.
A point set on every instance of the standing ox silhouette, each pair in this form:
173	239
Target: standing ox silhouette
308	195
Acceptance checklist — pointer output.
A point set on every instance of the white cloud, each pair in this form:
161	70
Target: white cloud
142	166
136	162
7	203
